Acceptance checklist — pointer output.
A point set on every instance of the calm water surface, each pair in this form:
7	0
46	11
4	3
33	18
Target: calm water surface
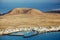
44	36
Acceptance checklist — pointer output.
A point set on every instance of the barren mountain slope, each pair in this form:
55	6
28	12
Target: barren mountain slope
26	17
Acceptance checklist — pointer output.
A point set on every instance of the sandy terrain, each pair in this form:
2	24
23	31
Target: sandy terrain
29	19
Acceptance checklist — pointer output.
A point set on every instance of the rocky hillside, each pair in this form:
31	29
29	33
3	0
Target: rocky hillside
26	18
17	11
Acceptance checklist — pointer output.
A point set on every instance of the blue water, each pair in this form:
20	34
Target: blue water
5	7
44	36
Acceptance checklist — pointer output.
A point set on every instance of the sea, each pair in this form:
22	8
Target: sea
5	7
43	36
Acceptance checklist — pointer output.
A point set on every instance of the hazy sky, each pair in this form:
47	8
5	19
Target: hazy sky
23	1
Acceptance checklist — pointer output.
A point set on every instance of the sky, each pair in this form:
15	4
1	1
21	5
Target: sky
23	1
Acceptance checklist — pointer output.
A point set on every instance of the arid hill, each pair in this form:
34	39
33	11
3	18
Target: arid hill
27	17
17	11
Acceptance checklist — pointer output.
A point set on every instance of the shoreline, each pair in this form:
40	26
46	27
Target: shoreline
25	29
